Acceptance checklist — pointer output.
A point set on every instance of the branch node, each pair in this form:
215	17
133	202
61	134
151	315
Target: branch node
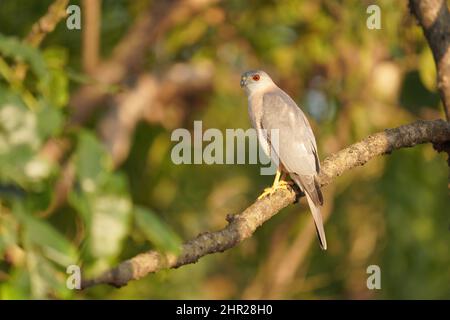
230	217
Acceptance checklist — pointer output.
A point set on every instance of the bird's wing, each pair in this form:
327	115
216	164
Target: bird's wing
296	150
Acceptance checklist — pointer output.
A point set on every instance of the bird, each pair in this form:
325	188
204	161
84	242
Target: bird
270	108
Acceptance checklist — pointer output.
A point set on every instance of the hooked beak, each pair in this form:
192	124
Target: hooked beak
243	82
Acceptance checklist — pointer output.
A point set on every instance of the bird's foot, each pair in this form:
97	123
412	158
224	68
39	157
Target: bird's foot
280	185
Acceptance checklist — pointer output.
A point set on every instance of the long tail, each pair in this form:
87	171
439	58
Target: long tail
318	221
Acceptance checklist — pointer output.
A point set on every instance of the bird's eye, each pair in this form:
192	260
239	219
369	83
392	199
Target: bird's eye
256	77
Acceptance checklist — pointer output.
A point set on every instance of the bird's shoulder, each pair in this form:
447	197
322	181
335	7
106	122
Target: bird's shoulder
275	97
281	112
280	109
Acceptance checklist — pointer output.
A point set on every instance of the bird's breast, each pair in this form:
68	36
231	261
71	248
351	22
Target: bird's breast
255	109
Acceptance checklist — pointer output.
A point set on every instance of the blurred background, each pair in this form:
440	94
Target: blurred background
86	176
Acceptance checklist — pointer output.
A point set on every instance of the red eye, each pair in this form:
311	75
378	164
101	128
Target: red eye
256	77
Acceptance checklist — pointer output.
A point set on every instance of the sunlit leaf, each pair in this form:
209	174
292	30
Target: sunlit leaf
56	89
110	224
427	69
20	51
17	287
22	132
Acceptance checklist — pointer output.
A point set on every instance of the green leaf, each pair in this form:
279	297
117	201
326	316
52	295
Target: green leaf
41	233
18	125
91	161
102	198
9	97
427	69
8	232
45	278
110	225
156	231
49	121
22	132
56	89
107	218
20	51
17	287
56	57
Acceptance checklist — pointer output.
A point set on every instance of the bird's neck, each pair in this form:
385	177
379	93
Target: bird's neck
262	89
255	96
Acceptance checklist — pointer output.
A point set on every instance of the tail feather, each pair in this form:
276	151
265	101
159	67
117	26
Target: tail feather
318	221
310	186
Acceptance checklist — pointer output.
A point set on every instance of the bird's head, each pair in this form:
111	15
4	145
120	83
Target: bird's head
254	80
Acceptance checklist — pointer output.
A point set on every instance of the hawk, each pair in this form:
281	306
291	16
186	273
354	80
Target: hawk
270	108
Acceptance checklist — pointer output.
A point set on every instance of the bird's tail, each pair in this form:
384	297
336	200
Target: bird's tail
318	221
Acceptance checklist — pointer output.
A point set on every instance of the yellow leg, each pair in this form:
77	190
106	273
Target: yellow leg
277	184
277	178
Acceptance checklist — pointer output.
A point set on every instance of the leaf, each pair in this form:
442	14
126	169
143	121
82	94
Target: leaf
8	232
20	51
44	277
9	97
56	57
427	69
18	125
91	161
110	224
106	215
41	233
102	198
22	132
156	231
12	166
49	121
17	287
80	202
56	89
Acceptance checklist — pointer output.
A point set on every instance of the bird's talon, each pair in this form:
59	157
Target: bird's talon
266	192
284	184
269	191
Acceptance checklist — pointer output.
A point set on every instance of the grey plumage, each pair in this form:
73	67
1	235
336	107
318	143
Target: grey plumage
271	108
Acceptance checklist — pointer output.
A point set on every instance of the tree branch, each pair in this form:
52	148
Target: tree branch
91	34
150	95
129	55
434	17
45	25
242	226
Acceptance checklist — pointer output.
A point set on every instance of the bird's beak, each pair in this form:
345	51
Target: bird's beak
243	81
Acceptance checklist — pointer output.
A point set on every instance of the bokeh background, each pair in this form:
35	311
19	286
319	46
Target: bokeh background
86	176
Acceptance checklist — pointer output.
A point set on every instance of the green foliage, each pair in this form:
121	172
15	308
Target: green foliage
353	81
22	132
57	88
21	52
156	231
419	257
100	197
53	245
